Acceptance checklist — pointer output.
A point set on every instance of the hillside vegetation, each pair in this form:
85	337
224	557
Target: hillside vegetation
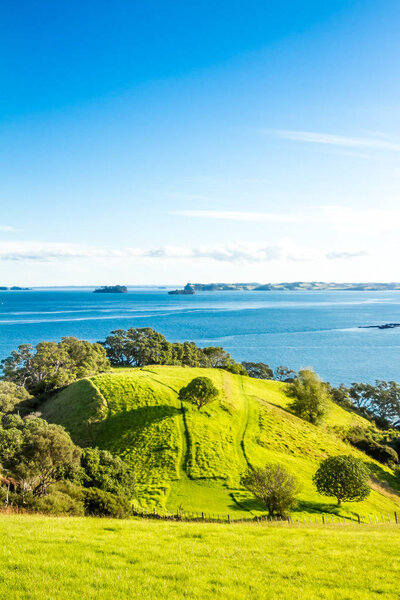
99	559
193	459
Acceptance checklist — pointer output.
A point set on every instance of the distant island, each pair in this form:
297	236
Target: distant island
384	326
14	288
294	286
186	291
111	289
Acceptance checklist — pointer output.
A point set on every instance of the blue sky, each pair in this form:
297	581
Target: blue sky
165	142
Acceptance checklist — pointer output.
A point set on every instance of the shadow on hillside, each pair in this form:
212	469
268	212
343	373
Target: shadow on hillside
143	417
317	507
387	480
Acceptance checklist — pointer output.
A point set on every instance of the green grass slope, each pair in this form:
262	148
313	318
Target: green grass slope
193	460
99	559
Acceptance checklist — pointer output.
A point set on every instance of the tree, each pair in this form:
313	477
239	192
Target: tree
35	453
187	354
310	396
382	400
200	391
236	369
14	398
102	470
274	486
283	373
258	370
341	395
344	477
136	347
218	357
53	365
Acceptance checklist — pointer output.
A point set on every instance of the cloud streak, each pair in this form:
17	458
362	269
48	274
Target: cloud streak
346	255
235	252
6	228
341	141
374	220
241	216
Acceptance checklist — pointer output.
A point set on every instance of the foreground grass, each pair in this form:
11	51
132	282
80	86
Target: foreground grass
71	558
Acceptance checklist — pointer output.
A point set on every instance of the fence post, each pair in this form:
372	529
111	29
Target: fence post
395	516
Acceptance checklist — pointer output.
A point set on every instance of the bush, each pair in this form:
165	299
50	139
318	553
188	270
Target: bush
101	470
344	477
380	452
274	486
56	503
103	504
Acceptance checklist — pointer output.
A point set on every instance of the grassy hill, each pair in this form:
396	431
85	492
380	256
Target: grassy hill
194	459
99	559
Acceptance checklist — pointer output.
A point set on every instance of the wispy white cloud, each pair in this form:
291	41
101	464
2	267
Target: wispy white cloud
242	216
377	142
231	252
346	255
375	220
6	228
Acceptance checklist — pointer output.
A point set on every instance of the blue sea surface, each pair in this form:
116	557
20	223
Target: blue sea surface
318	329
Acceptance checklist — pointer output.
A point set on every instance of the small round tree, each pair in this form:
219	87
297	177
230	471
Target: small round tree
274	486
200	391
344	477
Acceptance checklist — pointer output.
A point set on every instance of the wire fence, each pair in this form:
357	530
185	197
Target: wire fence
321	519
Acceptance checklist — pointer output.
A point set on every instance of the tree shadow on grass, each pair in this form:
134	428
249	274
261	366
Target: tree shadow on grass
387	481
317	507
142	417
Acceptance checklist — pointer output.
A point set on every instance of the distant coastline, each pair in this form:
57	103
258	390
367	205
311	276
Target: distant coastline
14	288
297	286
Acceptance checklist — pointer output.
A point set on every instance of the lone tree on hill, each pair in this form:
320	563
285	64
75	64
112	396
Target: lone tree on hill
310	396
200	391
274	486
344	477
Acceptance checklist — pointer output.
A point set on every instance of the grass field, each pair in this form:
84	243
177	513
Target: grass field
42	558
194	459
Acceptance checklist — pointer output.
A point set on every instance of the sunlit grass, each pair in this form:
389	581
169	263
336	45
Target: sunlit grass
194	459
77	558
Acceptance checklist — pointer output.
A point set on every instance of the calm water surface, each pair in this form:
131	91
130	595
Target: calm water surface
319	329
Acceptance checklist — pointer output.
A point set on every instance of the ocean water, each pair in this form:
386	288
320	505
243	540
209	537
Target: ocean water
318	329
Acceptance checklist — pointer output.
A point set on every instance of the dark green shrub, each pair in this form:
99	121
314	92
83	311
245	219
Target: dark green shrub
101	470
380	452
56	503
103	504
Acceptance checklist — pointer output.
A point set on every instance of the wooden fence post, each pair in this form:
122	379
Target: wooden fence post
395	517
